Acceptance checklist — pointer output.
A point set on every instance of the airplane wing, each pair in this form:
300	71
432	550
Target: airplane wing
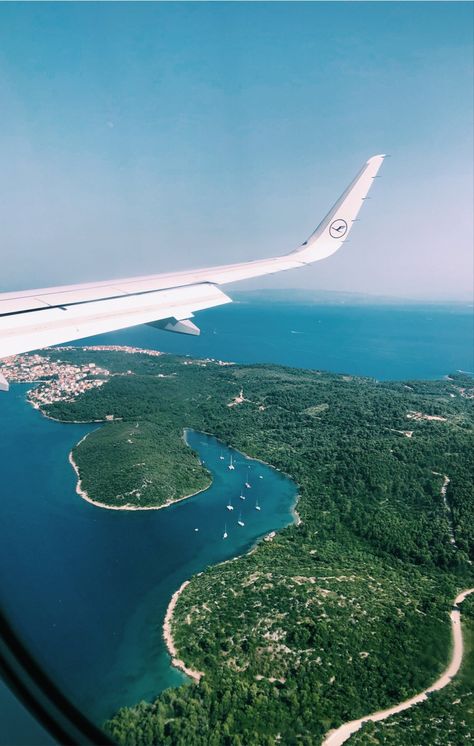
33	319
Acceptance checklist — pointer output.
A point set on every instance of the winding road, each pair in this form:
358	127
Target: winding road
344	732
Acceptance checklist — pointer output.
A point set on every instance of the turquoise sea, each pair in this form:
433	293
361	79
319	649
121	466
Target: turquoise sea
87	588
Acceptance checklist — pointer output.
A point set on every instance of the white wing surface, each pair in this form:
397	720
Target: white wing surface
33	319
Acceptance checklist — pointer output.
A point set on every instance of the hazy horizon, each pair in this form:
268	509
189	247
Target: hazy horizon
307	291
141	138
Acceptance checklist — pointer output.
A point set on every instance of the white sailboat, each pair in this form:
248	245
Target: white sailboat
257	506
240	521
231	465
242	497
229	505
225	532
221	456
247	483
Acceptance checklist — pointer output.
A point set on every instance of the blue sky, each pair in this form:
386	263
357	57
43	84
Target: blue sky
143	137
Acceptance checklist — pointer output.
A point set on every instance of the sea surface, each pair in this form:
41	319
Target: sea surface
87	588
382	341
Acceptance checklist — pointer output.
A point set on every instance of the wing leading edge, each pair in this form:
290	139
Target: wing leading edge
33	319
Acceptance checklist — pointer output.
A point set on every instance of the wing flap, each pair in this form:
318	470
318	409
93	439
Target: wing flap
23	332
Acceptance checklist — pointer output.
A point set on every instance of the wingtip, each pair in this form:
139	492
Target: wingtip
379	156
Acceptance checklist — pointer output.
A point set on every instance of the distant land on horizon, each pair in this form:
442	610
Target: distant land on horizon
315	296
338	297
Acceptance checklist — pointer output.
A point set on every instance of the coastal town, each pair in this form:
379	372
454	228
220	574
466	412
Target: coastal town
59	380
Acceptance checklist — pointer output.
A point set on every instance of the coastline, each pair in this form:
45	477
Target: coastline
168	620
79	488
297	518
169	641
167	633
85	496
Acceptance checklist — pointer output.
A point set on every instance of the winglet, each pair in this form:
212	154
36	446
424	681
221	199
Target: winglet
334	228
37	318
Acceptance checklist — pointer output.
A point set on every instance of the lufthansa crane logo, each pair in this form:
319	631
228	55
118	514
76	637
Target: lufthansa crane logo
338	228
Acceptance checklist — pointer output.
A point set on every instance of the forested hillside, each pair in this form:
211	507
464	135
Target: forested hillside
334	618
446	718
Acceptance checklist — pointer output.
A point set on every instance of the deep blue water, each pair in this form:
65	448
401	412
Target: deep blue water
87	588
386	341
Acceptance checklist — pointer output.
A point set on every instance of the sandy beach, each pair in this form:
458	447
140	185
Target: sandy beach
168	637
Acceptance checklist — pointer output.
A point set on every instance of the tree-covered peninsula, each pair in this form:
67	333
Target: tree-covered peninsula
334	618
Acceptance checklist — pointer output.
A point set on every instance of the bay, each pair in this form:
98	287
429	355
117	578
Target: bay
87	588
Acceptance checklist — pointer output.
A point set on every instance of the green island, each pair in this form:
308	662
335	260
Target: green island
335	618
